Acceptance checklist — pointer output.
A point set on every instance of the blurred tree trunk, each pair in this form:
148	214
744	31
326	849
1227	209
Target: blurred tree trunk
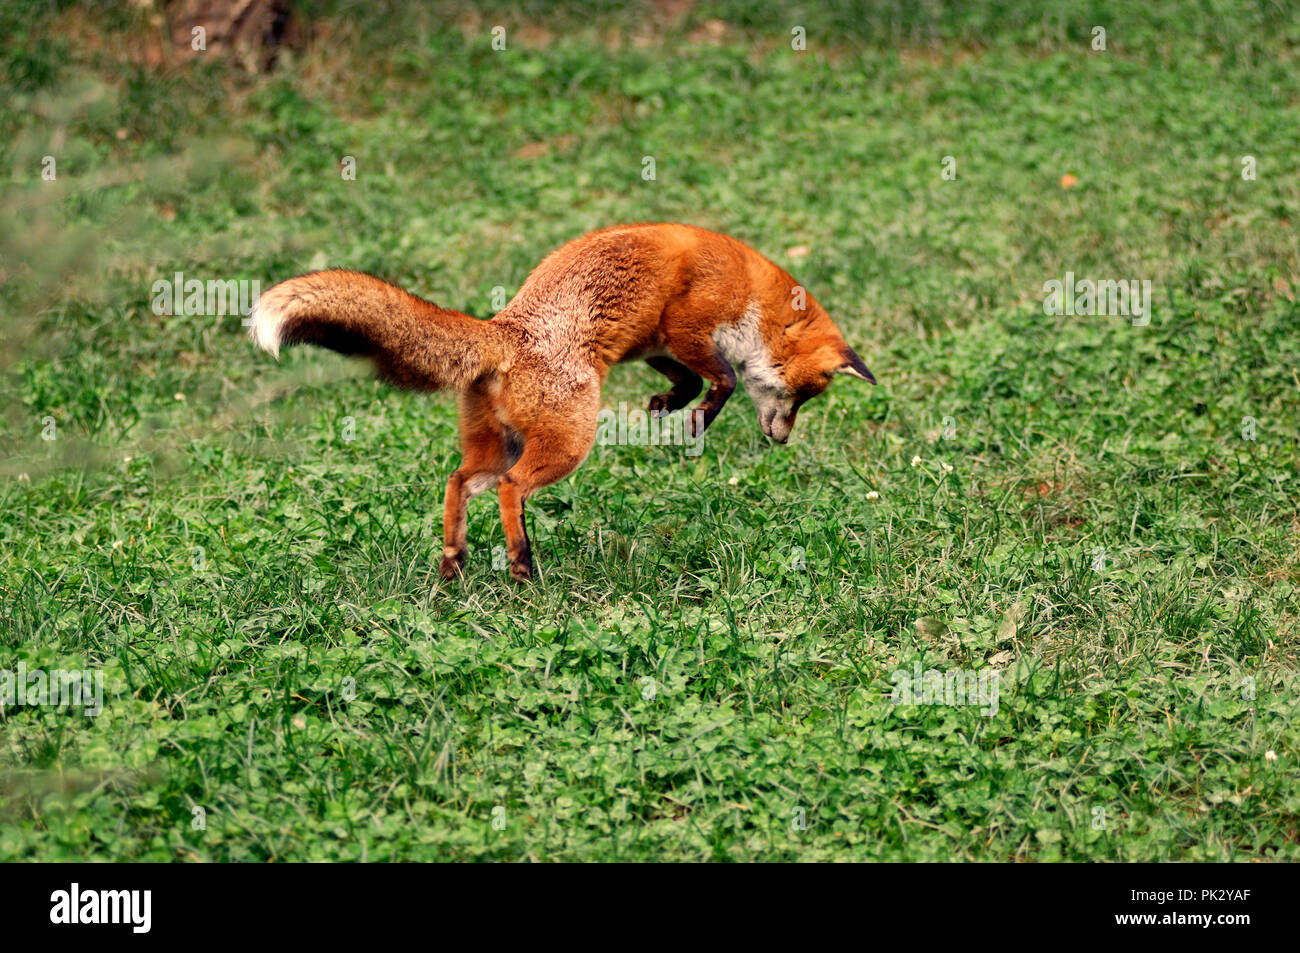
251	30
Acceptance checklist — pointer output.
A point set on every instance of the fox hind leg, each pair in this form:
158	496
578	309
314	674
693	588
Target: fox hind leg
488	451
550	454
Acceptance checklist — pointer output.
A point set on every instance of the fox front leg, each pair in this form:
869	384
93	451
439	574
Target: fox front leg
712	367
686	385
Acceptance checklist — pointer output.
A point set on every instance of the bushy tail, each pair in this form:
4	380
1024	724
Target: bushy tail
412	342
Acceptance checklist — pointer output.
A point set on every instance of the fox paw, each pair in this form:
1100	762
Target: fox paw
661	404
451	566
521	570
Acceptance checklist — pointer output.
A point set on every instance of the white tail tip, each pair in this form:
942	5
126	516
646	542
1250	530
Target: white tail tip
266	320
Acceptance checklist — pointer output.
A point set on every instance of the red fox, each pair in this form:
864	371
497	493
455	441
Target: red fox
695	305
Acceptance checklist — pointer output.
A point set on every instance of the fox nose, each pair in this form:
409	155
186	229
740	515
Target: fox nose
770	430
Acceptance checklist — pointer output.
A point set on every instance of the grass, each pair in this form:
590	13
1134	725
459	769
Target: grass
703	670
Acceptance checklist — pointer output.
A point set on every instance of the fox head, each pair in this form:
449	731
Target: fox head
787	362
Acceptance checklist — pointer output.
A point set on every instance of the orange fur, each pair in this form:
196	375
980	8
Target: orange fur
696	305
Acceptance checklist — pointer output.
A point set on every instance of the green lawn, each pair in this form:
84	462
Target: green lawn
703	669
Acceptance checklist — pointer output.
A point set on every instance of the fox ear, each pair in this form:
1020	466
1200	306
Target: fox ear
854	367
